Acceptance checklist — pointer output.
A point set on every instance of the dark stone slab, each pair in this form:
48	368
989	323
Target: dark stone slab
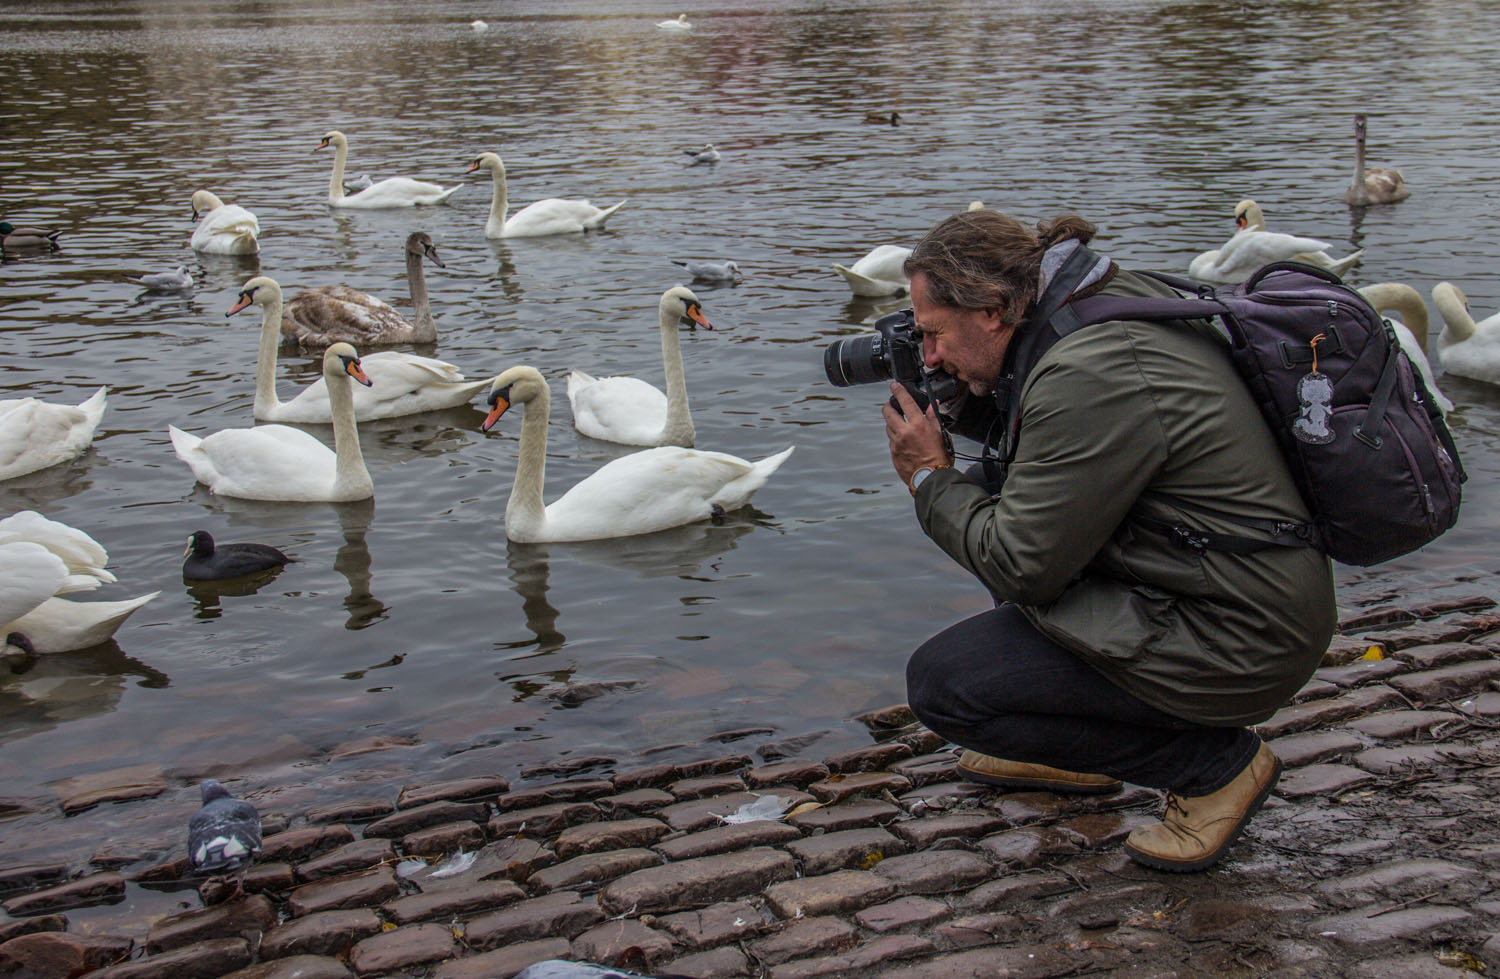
543	821
705	786
698	814
295	967
1028	846
299	844
592	868
1320	780
724	839
887	718
635	802
980	929
105	888
576	790
935	871
612	835
1361	671
1015	890
1401	880
246	918
1021	961
484	895
28	926
717	924
453	790
508	859
205	960
1429	633
29	876
1296	750
719	765
858	961
407	821
1314	689
451	837
964	825
403	948
359	855
698	882
1100	829
563	767
1303	717
351	811
797	773
1414	758
1404	723
904	912
648	777
849	815
846	787
1357	929
721	963
841	892
565	913
871	758
364	889
610	941
1440	654
805	937
851	848
48	954
322	933
1448	682
504	962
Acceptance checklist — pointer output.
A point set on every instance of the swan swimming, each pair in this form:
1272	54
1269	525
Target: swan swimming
630	411
277	462
1411	329
550	216
400	383
879	273
640	493
36	434
387	193
1466	348
328	314
1372	185
223	229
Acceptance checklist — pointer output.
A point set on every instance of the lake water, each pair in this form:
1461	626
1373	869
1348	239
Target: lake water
411	620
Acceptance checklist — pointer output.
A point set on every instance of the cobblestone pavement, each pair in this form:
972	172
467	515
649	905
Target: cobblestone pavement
1376	857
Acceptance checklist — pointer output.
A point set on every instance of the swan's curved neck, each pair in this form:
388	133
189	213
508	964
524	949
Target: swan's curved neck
416	280
679	427
525	513
499	202
265	361
1458	324
336	182
351	480
1405	302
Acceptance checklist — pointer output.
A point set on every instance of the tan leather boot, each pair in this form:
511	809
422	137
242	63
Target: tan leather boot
1195	832
1020	777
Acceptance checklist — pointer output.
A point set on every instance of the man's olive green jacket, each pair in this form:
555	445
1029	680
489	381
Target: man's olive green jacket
1112	412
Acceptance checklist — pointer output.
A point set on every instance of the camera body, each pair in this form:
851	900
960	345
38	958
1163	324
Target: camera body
892	353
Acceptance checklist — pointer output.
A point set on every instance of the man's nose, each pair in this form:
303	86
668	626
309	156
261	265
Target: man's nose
929	351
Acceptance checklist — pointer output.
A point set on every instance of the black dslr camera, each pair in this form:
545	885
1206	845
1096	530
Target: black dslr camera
892	353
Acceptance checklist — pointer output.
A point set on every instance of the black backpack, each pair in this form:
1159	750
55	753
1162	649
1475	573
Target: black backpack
1367	446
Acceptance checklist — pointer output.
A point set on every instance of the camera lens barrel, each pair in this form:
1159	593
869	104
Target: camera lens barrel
857	360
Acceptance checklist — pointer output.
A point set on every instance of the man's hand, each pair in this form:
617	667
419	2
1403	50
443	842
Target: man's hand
916	439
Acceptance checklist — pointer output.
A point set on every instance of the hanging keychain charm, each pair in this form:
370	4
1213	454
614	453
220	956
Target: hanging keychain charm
1315	391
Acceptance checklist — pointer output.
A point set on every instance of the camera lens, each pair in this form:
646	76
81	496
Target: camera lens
857	360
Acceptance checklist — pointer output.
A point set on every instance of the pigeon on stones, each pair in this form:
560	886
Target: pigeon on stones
174	281
706	155
563	969
207	562
223	836
712	271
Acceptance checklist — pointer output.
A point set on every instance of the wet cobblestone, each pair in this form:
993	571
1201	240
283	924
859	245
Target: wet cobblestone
1376	856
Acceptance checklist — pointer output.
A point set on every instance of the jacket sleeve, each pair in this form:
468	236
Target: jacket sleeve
1090	442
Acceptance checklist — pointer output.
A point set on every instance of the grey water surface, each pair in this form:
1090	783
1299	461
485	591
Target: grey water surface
410	620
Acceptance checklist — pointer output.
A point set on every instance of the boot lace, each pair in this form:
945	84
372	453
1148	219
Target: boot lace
1173	805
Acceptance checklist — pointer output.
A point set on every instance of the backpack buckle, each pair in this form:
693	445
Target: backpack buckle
1189	541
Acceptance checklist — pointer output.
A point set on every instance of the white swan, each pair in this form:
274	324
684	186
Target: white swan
1411	329
646	491
35	434
223	229
329	314
1466	348
276	462
680	24
878	273
1248	216
627	409
390	192
42	559
1375	185
1249	248
551	216
400	383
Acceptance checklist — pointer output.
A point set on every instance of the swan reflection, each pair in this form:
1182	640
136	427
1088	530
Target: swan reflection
63	687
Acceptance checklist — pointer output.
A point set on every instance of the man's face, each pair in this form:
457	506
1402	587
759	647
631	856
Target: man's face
967	343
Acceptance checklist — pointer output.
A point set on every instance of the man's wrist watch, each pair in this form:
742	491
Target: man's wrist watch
921	474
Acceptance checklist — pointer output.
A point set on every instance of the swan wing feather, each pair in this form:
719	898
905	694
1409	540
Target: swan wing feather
29	575
401	384
268	462
227	230
617	409
643	492
35	434
398	192
553	215
81	554
58	625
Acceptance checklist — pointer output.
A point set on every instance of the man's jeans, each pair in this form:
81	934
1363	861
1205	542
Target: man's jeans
995	684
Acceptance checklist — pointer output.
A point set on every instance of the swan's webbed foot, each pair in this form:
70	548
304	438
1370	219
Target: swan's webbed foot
715	513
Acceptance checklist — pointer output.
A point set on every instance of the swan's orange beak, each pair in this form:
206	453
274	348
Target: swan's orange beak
472	167
323	144
695	312
246	298
1239	223
357	372
497	408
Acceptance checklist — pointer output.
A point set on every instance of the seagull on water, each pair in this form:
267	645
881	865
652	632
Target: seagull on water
706	155
174	281
712	271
